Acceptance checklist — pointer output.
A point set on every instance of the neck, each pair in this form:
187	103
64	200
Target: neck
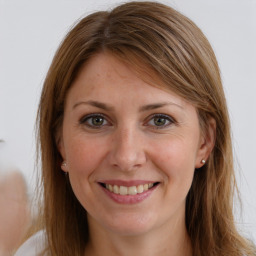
166	240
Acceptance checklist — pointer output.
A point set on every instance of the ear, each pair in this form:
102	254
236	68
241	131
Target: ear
61	149
206	144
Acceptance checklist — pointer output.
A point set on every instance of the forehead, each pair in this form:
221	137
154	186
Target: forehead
104	74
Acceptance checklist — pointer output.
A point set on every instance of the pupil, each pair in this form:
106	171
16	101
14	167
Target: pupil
97	120
159	121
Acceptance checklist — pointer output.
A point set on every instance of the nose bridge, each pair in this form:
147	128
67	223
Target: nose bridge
128	150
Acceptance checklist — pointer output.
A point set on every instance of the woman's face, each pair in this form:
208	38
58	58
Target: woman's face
131	148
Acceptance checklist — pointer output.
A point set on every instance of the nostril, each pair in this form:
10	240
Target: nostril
127	153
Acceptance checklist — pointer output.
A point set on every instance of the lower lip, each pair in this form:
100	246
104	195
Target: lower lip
129	199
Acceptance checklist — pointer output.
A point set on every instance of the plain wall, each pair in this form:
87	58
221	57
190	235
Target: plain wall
30	32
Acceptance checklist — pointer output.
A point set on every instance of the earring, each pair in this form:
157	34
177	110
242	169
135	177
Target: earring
203	161
64	166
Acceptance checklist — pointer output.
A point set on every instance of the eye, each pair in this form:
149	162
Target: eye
159	121
94	121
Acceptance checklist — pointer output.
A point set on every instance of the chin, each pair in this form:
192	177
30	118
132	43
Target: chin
131	225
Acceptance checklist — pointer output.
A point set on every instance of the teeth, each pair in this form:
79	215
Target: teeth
116	189
123	190
140	189
145	186
133	190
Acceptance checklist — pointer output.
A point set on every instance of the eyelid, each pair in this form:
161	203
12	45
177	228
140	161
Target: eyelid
92	115
85	117
165	116
170	119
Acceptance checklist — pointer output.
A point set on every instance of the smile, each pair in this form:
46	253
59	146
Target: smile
132	190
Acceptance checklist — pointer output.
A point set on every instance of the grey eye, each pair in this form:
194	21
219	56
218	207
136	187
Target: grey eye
94	121
159	121
97	121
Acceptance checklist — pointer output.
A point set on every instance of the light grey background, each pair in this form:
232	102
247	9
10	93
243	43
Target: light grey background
30	32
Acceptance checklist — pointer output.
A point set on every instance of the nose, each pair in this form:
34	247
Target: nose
127	150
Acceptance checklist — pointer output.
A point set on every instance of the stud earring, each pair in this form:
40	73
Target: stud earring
203	161
64	164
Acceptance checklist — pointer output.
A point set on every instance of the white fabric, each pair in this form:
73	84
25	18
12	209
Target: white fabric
33	246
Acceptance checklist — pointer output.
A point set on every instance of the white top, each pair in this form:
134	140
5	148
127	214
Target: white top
33	246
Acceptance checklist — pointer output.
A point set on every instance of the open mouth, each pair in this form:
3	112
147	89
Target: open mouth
132	190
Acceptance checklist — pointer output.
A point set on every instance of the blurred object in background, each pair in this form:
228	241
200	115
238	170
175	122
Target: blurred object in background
14	211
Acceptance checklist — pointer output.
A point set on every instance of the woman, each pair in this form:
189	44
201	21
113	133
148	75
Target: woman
135	140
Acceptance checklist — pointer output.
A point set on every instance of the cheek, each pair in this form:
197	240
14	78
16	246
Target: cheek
83	156
176	152
176	158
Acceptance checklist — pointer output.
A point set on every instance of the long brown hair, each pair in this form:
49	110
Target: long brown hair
149	36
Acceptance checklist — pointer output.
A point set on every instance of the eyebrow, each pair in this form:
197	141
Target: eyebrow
158	105
95	104
111	108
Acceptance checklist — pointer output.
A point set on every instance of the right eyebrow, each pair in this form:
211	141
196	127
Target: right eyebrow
96	104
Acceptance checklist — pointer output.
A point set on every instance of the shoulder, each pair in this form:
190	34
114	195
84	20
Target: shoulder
33	246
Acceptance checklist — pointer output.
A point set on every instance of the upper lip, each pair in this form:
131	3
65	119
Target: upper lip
127	183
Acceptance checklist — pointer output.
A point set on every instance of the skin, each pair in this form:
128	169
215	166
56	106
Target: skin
131	144
14	213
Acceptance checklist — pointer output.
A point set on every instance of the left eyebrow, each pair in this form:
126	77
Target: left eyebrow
158	105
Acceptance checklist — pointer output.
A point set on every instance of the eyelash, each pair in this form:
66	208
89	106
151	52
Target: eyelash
85	120
161	116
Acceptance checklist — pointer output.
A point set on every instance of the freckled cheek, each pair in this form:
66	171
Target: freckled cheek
176	164
84	157
175	159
